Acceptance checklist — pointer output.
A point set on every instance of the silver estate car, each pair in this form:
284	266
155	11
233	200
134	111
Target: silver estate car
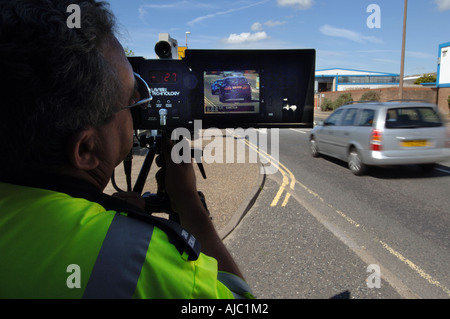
377	134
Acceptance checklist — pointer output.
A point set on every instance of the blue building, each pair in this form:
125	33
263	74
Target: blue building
443	71
443	78
348	79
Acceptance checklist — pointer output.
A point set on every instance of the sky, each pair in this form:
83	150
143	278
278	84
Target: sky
350	34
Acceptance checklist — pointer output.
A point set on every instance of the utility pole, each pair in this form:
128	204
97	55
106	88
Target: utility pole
402	64
187	33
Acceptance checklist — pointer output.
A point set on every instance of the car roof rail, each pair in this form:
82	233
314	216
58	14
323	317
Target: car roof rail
410	100
358	102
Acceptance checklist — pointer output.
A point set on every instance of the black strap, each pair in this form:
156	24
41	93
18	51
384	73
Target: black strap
178	236
181	238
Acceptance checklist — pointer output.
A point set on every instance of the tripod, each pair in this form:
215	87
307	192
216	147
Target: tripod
158	202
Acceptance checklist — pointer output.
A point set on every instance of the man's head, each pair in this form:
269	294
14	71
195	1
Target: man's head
57	83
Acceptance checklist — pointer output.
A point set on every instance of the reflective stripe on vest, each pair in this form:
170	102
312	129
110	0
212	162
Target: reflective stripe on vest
119	263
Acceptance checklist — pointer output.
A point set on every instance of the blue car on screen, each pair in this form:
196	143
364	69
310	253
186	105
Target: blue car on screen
215	87
235	88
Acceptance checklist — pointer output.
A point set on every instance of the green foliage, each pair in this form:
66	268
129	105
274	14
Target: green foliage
327	105
342	99
128	52
448	100
426	78
371	96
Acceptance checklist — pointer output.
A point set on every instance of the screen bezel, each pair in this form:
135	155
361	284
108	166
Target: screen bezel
300	64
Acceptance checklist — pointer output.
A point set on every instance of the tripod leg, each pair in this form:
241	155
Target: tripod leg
145	169
127	163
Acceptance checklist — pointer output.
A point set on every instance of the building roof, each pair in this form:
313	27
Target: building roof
349	72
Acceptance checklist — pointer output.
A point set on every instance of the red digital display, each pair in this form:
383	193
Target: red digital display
161	77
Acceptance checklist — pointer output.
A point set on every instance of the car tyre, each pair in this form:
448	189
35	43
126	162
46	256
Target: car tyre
355	164
314	148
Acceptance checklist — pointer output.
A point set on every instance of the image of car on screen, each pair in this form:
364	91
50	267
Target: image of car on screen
215	87
235	88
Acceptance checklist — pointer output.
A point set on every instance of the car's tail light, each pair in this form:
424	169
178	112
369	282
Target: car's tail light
228	88
375	141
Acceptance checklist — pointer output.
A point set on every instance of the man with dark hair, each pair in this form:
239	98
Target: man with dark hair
65	95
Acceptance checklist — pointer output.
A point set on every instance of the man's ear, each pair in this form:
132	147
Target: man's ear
83	150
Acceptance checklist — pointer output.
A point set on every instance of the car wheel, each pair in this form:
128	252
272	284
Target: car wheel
314	147
355	163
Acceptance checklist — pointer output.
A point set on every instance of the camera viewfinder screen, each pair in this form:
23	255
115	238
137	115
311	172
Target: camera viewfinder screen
231	92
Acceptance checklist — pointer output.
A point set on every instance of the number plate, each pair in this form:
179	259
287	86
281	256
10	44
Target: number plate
415	143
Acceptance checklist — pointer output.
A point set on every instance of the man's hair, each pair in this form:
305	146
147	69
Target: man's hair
54	80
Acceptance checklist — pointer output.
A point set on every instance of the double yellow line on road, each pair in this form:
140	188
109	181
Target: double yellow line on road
289	180
208	102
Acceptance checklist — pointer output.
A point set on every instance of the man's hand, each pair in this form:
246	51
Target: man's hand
178	180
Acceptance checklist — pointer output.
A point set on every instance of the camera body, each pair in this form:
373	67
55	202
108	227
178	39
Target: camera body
229	89
166	47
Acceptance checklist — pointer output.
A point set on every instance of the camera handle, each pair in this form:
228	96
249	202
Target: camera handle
159	202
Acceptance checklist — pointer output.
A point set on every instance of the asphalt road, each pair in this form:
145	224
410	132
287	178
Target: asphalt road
318	231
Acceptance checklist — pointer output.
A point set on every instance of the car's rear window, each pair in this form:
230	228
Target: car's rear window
412	117
236	81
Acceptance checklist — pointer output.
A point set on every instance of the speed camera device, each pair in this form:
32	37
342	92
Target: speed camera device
222	89
227	88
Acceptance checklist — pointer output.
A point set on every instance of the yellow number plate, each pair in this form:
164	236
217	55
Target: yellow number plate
415	143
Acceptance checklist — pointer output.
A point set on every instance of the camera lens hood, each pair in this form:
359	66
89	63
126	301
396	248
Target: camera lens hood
163	49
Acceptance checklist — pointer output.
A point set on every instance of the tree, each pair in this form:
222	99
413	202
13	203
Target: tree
342	99
128	52
327	105
371	96
426	78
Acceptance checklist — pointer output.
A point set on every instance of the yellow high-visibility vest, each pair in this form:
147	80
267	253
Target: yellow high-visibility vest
54	245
